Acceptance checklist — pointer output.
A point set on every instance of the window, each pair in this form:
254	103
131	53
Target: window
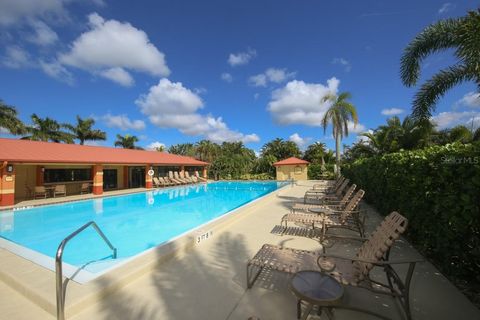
298	170
163	171
66	175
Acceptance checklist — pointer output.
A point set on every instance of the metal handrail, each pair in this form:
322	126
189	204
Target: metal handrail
58	264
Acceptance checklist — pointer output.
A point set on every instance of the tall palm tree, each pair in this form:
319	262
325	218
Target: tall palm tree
47	129
206	150
340	112
127	142
9	119
280	149
83	130
462	35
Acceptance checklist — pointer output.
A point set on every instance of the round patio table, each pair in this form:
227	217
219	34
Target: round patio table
316	289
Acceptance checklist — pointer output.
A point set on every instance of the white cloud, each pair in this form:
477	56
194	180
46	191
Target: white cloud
123	122
15	11
271	75
113	44
450	119
392	111
300	103
43	34
15	57
363	138
446	7
155	145
352	128
241	58
118	75
301	142
57	71
227	77
471	99
347	66
171	105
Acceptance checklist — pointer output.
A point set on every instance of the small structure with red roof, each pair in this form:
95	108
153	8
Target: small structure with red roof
26	164
292	169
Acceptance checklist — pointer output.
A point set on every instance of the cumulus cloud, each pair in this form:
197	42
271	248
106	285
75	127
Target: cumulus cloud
270	75
352	128
300	103
122	122
301	142
450	119
171	105
15	57
156	145
111	46
446	7
118	75
227	77
392	111
471	99
347	66
57	71
241	58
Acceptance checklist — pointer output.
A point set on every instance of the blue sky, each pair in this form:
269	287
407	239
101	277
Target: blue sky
180	71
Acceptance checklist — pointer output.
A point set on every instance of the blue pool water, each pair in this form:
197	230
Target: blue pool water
133	223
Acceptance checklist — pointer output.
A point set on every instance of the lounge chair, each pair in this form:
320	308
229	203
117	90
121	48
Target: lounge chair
315	196
375	252
85	188
164	182
332	217
39	192
184	177
177	177
173	182
326	200
171	178
200	178
157	182
329	185
60	190
192	178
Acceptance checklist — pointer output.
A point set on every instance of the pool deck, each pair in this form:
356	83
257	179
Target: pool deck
208	280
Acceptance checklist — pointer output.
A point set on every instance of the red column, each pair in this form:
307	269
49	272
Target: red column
125	177
204	173
148	178
40	175
98	179
7	187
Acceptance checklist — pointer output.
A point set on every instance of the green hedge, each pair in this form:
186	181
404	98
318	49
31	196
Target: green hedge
438	190
315	171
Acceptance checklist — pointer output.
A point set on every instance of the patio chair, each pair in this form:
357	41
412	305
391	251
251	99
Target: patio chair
164	182
177	177
171	178
329	184
184	177
202	179
374	252
157	182
315	196
332	217
329	201
39	192
85	188
171	181
60	190
192	178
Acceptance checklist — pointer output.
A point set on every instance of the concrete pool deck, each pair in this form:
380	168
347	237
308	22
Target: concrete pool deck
207	280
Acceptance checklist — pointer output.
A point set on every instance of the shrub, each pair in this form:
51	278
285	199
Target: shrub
438	190
315	171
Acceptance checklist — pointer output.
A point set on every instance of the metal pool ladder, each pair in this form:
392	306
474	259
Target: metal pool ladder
58	264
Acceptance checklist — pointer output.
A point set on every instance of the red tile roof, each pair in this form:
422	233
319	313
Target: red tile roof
14	150
290	161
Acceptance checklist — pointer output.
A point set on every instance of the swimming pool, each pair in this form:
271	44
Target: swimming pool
133	223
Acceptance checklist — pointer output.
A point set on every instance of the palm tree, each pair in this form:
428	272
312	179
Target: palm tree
280	149
339	114
47	129
462	35
206	150
127	142
315	153
9	120
83	130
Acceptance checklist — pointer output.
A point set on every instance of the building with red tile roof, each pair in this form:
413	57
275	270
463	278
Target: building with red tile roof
26	164
292	169
290	161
